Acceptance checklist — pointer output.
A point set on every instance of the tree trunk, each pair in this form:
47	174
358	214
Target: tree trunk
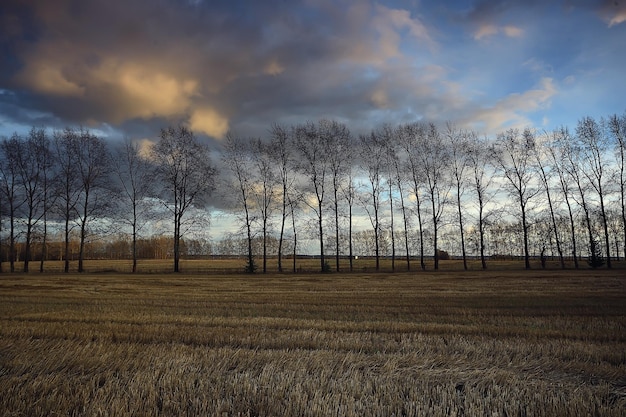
250	267
606	227
282	230
406	241
350	254
435	230
377	248
481	232
81	247
264	245
592	243
27	244
463	253
81	251
321	232
12	241
336	230
134	270
421	231
573	230
556	232
525	233
295	237
176	241
44	252
393	239
66	267
406	229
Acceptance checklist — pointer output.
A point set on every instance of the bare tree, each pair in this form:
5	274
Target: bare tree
387	137
67	185
593	144
435	159
265	190
339	142
92	169
237	158
482	179
373	152
512	153
135	175
617	128
615	227
48	174
293	202
559	152
282	153
348	191
540	150
459	154
32	160
312	150
10	151
572	165
410	136
187	176
399	179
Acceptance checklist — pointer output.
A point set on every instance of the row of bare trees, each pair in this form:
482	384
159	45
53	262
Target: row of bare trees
405	190
414	181
75	181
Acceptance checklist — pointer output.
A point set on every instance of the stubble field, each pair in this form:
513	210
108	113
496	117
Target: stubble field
497	343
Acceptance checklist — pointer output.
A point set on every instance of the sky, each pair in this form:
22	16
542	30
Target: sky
129	68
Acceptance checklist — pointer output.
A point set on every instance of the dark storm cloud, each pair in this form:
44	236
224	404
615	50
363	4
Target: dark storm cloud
217	64
612	11
113	61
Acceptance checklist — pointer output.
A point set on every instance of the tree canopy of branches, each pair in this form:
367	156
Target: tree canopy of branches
134	173
312	188
311	145
184	166
512	153
373	151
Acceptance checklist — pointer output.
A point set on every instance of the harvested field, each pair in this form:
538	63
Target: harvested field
497	343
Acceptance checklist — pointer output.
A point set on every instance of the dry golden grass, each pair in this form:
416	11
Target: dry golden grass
497	343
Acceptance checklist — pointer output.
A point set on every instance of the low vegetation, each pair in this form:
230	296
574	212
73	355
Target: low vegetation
303	264
497	343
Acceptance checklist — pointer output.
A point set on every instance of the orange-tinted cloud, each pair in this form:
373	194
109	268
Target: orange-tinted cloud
488	29
147	91
209	121
49	78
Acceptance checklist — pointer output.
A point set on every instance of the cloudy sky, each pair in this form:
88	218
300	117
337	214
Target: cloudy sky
128	68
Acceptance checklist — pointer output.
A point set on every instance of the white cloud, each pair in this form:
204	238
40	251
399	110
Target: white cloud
380	98
513	31
512	110
390	23
273	68
538	65
614	13
487	29
618	18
